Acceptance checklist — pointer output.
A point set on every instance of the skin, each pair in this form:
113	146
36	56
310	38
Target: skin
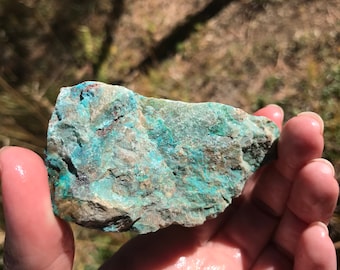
277	223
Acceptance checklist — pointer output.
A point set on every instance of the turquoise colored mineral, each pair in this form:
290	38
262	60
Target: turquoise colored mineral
120	161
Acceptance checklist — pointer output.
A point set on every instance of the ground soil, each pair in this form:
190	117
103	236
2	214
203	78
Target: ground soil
245	53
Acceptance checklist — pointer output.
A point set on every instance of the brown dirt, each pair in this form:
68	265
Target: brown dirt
246	53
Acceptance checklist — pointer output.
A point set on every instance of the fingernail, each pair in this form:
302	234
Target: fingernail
316	117
3	148
279	113
275	105
328	169
322	226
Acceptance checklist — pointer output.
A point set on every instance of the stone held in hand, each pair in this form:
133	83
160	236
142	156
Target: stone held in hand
120	161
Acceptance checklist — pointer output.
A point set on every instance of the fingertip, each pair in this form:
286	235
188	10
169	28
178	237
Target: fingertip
318	121
301	140
25	188
326	166
315	249
21	166
10	153
272	111
323	230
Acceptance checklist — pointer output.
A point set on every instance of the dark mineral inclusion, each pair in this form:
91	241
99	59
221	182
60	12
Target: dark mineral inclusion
120	161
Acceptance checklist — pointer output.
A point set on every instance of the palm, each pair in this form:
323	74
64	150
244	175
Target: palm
269	226
263	226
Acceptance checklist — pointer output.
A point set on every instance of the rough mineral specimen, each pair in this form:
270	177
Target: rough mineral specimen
120	161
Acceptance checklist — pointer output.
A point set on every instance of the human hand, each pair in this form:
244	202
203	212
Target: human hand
277	222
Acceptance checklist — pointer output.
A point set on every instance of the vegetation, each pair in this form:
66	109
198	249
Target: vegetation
245	53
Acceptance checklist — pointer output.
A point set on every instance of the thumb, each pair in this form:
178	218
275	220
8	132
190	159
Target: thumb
35	238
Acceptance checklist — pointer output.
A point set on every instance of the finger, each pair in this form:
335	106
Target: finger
313	198
276	114
301	141
252	226
315	192
35	238
315	249
273	112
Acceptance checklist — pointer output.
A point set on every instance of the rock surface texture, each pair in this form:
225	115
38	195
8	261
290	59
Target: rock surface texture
120	161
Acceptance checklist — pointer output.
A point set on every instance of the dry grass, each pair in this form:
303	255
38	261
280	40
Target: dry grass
249	54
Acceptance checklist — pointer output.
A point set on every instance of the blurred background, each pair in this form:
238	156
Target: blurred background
245	53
